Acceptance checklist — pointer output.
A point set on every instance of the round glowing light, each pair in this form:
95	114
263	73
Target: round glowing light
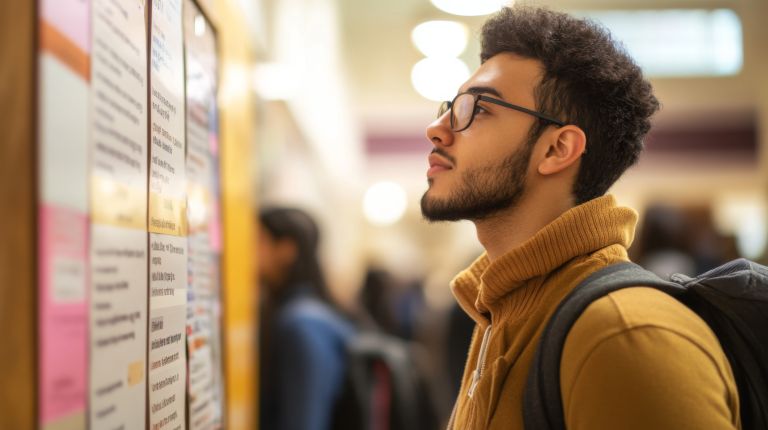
384	203
440	38
470	7
438	78
199	25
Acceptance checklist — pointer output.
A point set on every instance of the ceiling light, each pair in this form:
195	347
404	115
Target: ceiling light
199	25
470	7
440	38
678	42
439	78
384	203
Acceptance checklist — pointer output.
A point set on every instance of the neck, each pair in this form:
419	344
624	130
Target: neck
510	228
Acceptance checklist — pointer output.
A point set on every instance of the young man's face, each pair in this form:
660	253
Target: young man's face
476	172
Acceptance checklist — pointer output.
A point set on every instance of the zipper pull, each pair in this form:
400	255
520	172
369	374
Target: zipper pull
478	372
475	380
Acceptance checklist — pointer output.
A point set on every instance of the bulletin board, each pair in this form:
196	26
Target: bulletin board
143	218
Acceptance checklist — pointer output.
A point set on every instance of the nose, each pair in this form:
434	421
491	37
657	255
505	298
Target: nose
439	131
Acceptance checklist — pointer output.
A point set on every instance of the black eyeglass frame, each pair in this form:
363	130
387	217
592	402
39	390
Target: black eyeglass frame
478	97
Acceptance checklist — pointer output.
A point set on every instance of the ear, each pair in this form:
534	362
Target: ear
564	150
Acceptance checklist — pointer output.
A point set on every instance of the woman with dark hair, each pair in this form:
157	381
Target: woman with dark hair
303	339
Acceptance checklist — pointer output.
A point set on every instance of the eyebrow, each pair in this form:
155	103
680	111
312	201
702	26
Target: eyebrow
484	90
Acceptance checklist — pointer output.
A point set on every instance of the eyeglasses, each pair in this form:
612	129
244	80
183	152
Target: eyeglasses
463	108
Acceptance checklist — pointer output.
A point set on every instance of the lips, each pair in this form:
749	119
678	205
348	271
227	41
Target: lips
437	164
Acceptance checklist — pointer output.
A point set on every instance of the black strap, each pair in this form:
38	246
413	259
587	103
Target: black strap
542	402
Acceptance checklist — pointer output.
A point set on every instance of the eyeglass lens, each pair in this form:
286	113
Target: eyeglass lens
461	110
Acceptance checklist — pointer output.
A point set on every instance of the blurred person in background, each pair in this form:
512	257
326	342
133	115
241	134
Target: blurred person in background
410	306
460	329
304	337
682	240
527	150
709	247
395	363
390	305
664	247
377	301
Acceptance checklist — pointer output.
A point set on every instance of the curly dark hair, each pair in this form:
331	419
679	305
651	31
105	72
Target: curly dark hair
299	227
589	81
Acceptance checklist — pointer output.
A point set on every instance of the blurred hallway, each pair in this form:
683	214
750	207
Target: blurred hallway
145	136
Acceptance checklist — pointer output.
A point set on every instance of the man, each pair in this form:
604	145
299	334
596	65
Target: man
526	151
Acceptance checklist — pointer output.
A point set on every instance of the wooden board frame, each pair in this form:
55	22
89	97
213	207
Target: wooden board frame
18	228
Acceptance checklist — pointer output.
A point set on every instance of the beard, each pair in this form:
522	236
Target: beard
483	191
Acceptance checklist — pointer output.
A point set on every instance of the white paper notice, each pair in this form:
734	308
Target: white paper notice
119	114
167	220
167	183
119	254
167	355
118	328
204	298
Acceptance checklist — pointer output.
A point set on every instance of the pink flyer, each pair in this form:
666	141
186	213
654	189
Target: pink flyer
63	312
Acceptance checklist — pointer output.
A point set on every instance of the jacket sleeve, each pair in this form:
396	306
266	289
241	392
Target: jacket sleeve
623	369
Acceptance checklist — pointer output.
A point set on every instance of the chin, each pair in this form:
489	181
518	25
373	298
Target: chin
431	195
428	203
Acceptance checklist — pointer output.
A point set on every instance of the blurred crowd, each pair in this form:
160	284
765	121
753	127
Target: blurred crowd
391	361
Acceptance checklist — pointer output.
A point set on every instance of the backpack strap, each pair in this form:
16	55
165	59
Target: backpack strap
542	402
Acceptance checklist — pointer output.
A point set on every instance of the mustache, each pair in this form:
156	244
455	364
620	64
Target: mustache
444	154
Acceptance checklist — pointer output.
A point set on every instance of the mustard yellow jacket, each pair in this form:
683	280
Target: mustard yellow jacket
635	359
